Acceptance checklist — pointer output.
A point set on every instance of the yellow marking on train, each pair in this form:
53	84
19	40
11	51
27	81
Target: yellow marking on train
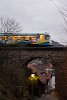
39	42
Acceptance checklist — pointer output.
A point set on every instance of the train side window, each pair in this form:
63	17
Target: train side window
0	37
14	37
27	38
20	37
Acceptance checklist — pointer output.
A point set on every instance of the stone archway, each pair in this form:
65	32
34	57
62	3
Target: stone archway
39	67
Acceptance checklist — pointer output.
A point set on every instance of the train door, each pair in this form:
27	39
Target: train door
42	38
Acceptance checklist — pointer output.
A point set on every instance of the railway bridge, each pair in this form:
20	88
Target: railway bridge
14	61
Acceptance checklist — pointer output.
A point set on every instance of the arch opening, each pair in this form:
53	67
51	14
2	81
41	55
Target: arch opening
45	73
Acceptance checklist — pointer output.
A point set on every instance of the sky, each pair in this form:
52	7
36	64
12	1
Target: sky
37	16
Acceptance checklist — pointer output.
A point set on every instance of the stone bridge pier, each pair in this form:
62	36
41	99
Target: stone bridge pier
13	67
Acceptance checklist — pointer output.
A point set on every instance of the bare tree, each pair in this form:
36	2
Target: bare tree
62	9
8	25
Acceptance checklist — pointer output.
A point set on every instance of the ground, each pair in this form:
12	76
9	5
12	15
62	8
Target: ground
48	97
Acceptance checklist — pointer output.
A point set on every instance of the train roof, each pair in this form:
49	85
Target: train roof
3	34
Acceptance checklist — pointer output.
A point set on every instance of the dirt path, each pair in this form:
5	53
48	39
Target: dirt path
47	97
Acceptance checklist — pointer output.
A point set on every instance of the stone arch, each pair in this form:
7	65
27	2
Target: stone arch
40	57
33	58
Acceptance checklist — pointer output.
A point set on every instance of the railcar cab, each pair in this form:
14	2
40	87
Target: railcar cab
42	39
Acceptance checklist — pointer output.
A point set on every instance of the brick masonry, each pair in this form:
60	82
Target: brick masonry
14	60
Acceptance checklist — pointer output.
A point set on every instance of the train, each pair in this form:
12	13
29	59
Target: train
39	39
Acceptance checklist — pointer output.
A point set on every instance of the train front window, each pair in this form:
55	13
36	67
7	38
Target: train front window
47	37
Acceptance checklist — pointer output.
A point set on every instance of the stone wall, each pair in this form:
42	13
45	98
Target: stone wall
13	63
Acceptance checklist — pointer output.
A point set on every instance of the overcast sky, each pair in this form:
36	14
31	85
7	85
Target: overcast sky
36	15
